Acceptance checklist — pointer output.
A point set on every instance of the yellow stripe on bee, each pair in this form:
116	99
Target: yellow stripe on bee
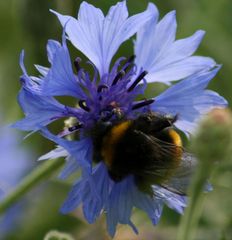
178	142
177	154
175	137
111	140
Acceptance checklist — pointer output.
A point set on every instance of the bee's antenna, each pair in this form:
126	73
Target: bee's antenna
173	119
101	87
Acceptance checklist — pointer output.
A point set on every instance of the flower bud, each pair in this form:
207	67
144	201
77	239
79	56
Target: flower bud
213	141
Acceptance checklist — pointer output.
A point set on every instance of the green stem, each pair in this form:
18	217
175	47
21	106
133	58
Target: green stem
41	172
193	211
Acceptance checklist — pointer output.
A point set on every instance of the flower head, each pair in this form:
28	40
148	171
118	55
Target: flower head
125	145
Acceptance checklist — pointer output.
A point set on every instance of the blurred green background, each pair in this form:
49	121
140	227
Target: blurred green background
28	24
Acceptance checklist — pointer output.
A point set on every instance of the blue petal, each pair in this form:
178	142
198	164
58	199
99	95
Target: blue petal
153	38
71	163
92	191
56	153
180	49
74	197
152	206
99	37
60	80
189	100
164	58
120	205
180	69
98	197
52	48
81	150
173	200
42	70
29	83
39	111
70	167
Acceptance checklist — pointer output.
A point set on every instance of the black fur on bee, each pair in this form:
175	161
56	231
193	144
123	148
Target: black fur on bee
147	147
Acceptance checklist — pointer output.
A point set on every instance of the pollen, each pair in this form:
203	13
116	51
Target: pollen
110	141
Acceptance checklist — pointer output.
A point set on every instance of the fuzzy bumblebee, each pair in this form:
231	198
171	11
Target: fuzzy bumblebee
148	148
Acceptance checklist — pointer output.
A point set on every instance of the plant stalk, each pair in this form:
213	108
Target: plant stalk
40	173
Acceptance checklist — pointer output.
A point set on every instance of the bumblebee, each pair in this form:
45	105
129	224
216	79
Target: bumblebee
148	147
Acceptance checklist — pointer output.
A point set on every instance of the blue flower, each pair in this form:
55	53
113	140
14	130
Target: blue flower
110	98
14	163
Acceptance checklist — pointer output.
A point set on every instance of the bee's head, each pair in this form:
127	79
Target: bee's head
111	112
153	122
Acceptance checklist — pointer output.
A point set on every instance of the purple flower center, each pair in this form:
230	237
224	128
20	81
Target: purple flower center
113	97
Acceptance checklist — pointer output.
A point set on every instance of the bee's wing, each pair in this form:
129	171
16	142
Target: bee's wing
181	176
181	179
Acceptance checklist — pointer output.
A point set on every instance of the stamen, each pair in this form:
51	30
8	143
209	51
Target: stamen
142	104
82	104
95	71
101	87
77	64
137	80
129	61
118	77
76	127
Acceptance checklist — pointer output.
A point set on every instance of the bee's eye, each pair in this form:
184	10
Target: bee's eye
111	112
146	119
106	115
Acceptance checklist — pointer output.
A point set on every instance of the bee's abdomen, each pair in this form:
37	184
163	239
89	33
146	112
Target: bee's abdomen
150	158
